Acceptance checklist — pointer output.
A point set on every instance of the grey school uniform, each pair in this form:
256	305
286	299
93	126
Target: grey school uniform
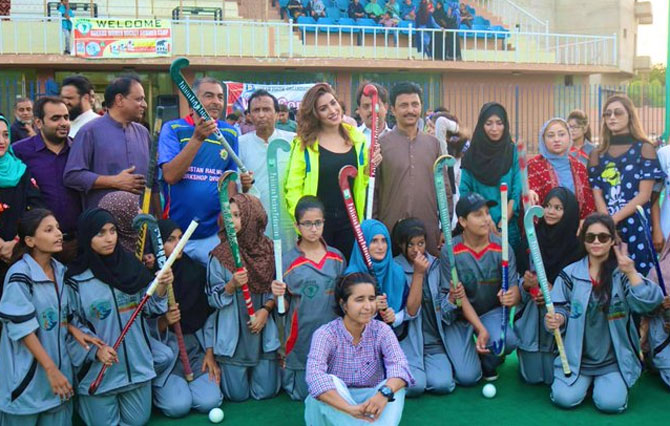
311	303
481	275
124	396
425	344
32	303
659	341
172	394
536	345
248	361
602	347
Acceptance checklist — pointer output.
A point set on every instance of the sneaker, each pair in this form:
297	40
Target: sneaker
490	375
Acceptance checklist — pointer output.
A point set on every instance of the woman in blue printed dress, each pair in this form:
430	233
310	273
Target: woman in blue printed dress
622	172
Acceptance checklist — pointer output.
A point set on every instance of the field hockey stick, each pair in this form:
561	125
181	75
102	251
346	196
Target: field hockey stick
345	173
371	91
525	192
151	225
150	291
443	209
273	182
185	89
151	174
649	242
531	236
231	234
499	346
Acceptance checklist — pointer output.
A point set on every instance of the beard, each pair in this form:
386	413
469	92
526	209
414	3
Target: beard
75	111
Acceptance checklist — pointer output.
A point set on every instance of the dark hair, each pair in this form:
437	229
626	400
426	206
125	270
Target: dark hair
283	108
199	81
403	232
344	286
405	88
119	86
20	100
583	120
306	203
260	93
81	83
232	116
27	227
38	109
381	92
604	290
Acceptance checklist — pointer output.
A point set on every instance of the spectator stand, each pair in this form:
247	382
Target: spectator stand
79	8
196	12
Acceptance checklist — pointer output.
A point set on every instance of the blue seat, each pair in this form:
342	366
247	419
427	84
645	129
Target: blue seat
481	21
283	3
302	23
471	10
405	24
343	5
333	12
326	21
479	27
367	22
349	23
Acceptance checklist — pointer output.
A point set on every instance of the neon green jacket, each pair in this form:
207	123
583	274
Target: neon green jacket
303	172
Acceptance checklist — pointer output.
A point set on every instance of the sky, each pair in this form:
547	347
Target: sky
652	40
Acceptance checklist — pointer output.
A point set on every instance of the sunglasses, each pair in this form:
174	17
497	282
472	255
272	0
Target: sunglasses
603	237
616	112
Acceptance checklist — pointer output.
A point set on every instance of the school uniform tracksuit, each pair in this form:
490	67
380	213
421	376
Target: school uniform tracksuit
311	301
32	303
602	346
481	274
424	339
249	366
124	396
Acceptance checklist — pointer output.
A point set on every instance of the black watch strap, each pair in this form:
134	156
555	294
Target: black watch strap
387	392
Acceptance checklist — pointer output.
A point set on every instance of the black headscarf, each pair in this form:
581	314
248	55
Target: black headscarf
558	243
488	161
189	285
121	269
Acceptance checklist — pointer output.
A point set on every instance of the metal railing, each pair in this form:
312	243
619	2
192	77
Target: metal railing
42	35
514	15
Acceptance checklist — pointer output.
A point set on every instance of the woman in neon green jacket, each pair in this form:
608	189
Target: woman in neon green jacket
324	144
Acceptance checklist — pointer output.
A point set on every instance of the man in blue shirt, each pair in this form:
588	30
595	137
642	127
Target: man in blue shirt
192	160
66	24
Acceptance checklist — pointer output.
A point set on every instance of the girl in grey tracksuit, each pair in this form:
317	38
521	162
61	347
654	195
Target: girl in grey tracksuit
594	299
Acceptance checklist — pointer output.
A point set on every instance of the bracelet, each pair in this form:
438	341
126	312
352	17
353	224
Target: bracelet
267	309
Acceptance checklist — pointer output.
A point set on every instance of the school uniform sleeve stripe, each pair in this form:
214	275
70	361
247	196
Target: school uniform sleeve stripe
18	319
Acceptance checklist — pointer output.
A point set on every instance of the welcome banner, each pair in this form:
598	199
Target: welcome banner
96	38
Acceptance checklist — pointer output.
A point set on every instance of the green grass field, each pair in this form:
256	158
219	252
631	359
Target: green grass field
515	404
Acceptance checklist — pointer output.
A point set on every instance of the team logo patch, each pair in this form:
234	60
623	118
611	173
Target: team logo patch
224	154
310	289
48	319
617	310
100	309
576	309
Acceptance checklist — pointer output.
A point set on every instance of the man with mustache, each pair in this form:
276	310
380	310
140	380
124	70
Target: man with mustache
405	185
46	154
192	160
76	93
111	153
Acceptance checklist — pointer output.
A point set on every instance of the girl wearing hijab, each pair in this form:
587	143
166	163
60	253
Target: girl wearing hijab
18	193
622	172
105	284
310	273
389	275
557	238
595	298
171	392
37	375
246	350
490	161
554	167
124	206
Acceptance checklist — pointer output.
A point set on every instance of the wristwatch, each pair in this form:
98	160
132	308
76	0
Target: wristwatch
387	392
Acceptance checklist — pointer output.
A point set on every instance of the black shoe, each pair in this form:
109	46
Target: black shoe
489	375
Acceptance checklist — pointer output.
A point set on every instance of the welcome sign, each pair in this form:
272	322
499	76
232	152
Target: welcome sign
96	38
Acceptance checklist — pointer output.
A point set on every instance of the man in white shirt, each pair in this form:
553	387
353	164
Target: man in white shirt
365	111
263	108
76	93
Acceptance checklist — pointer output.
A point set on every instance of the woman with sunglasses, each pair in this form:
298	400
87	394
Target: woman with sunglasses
594	298
310	272
323	145
622	172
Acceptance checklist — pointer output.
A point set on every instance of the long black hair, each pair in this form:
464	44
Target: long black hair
344	286
603	291
403	232
27	227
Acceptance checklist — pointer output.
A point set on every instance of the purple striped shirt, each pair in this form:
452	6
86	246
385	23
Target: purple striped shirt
376	357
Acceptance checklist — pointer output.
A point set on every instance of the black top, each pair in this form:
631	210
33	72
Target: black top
18	131
330	164
16	201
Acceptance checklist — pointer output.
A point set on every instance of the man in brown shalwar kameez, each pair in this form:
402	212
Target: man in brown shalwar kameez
405	185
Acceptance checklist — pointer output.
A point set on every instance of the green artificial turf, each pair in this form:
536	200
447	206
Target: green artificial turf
515	404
